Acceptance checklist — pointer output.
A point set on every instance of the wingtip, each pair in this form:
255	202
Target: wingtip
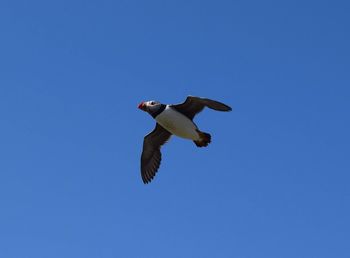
146	180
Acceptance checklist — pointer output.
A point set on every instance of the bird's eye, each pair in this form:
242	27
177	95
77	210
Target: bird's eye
152	103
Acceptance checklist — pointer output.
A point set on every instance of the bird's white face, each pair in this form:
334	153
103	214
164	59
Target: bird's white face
150	106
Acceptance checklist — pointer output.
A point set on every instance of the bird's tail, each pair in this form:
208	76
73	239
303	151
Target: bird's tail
204	139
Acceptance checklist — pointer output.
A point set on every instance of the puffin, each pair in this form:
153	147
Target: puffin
173	120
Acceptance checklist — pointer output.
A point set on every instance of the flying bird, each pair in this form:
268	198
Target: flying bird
173	120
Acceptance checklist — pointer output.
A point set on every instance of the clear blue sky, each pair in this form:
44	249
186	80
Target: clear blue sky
275	180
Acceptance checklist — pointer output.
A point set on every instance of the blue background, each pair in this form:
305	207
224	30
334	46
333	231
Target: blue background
273	183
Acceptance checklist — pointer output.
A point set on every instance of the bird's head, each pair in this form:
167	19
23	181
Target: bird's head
151	107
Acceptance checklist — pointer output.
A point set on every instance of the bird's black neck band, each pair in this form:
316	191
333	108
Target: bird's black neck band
160	110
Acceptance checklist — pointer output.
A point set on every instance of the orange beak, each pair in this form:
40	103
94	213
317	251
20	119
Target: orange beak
142	106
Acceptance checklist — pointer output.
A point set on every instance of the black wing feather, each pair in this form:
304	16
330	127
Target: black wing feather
193	105
151	156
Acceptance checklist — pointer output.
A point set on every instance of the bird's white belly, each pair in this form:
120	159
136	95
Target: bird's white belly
178	124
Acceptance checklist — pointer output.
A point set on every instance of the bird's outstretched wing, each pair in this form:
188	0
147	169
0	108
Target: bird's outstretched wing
151	155
194	105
